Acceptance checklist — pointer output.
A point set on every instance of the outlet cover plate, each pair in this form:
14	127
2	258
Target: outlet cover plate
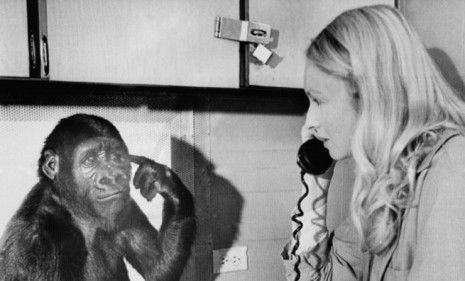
230	259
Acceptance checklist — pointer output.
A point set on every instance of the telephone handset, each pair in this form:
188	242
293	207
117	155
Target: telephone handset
313	158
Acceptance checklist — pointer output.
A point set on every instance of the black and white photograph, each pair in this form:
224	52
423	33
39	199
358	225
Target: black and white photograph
220	140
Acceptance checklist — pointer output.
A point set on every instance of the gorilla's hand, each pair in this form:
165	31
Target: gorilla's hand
152	178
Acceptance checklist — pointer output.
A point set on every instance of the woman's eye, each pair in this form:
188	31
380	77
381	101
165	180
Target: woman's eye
315	101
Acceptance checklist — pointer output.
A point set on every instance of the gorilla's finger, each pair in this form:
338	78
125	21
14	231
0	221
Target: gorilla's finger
141	175
139	160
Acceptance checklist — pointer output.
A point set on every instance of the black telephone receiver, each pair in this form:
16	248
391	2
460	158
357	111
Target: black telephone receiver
313	158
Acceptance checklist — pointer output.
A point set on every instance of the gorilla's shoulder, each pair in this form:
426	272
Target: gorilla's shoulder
39	207
40	239
42	224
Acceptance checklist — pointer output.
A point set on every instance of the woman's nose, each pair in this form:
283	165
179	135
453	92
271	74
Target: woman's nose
311	124
312	118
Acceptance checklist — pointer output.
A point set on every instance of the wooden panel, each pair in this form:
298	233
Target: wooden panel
297	21
258	170
264	263
203	173
263	216
14	57
441	26
164	42
255	185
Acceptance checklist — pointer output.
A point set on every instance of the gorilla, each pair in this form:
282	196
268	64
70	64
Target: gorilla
79	221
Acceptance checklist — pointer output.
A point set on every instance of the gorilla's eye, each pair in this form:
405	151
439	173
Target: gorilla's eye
116	157
89	161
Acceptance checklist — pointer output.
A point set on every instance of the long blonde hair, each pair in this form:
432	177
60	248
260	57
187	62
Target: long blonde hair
403	104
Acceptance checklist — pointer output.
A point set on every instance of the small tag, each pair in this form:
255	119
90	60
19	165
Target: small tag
262	53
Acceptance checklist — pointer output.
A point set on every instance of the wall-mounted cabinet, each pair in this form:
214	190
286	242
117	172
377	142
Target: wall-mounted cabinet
297	21
14	58
166	42
162	42
441	26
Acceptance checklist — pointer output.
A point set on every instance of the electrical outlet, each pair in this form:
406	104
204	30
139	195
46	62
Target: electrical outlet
229	259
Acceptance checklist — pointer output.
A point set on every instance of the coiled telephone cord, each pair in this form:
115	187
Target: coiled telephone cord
319	220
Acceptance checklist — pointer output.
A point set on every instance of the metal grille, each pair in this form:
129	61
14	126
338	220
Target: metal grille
163	135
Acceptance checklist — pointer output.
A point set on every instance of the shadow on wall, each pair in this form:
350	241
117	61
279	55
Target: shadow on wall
227	205
218	205
448	69
226	212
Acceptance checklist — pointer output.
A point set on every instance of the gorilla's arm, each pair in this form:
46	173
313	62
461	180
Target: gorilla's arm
160	255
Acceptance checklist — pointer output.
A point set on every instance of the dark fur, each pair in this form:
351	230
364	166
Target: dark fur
43	242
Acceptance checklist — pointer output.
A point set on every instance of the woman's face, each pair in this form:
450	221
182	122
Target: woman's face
331	116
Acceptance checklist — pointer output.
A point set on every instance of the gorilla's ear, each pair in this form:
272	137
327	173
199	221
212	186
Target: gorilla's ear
50	166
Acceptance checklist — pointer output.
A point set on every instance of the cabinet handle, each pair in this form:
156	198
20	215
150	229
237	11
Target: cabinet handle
32	53
37	35
45	58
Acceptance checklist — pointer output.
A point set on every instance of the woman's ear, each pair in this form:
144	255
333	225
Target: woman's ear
50	166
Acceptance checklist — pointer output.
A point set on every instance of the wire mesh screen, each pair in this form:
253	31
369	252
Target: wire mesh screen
165	136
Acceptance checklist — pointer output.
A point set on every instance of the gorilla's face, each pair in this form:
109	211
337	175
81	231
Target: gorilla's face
102	171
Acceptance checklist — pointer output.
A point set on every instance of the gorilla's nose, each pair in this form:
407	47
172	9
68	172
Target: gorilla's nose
105	181
112	180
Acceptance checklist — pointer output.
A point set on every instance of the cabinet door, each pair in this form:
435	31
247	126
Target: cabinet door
14	56
441	26
297	22
162	42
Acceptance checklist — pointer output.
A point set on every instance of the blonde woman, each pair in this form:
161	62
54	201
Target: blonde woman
375	95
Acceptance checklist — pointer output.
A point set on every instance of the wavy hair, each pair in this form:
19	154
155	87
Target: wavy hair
403	105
